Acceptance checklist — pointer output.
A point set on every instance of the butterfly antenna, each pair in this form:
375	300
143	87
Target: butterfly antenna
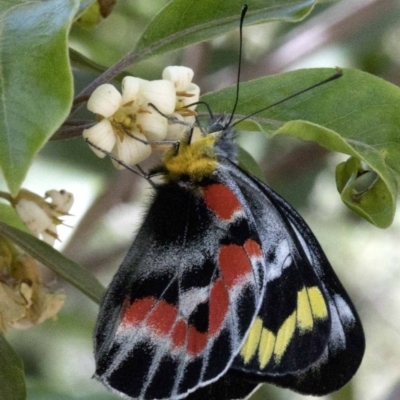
244	10
337	75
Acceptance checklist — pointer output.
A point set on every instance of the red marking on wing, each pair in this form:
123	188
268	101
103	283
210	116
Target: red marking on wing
197	341
162	317
220	199
219	305
137	311
234	264
178	334
252	248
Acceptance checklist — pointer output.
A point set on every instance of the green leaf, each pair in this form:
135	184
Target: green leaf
9	216
184	22
78	60
364	192
35	80
66	268
357	115
12	382
247	162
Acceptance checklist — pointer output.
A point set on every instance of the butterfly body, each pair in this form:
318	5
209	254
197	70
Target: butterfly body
224	287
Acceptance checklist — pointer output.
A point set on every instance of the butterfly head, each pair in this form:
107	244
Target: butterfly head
193	161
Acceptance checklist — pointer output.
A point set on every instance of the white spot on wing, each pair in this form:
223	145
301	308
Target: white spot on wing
342	317
283	259
190	299
346	315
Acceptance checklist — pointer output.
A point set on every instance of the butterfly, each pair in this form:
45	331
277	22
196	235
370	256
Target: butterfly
224	287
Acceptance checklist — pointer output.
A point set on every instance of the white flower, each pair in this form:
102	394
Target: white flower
129	117
145	113
42	217
105	100
186	93
34	217
130	149
61	200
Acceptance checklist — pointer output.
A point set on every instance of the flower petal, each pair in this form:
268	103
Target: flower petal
153	125
131	151
178	131
50	235
161	93
180	76
102	135
130	89
194	91
61	199
197	134
33	216
105	100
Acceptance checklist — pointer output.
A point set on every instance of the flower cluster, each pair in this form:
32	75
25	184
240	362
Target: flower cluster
142	114
24	299
40	216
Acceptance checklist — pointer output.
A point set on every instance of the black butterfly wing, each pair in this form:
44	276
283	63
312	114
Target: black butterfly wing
182	307
346	344
231	386
178	309
307	335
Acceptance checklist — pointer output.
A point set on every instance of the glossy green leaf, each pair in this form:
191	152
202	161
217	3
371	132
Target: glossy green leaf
357	115
12	381
51	258
364	192
35	80
184	22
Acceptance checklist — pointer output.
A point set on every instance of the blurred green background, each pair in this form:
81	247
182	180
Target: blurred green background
58	356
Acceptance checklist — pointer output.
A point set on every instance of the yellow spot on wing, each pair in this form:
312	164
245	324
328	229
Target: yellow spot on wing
253	339
305	321
284	336
317	302
311	305
266	347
